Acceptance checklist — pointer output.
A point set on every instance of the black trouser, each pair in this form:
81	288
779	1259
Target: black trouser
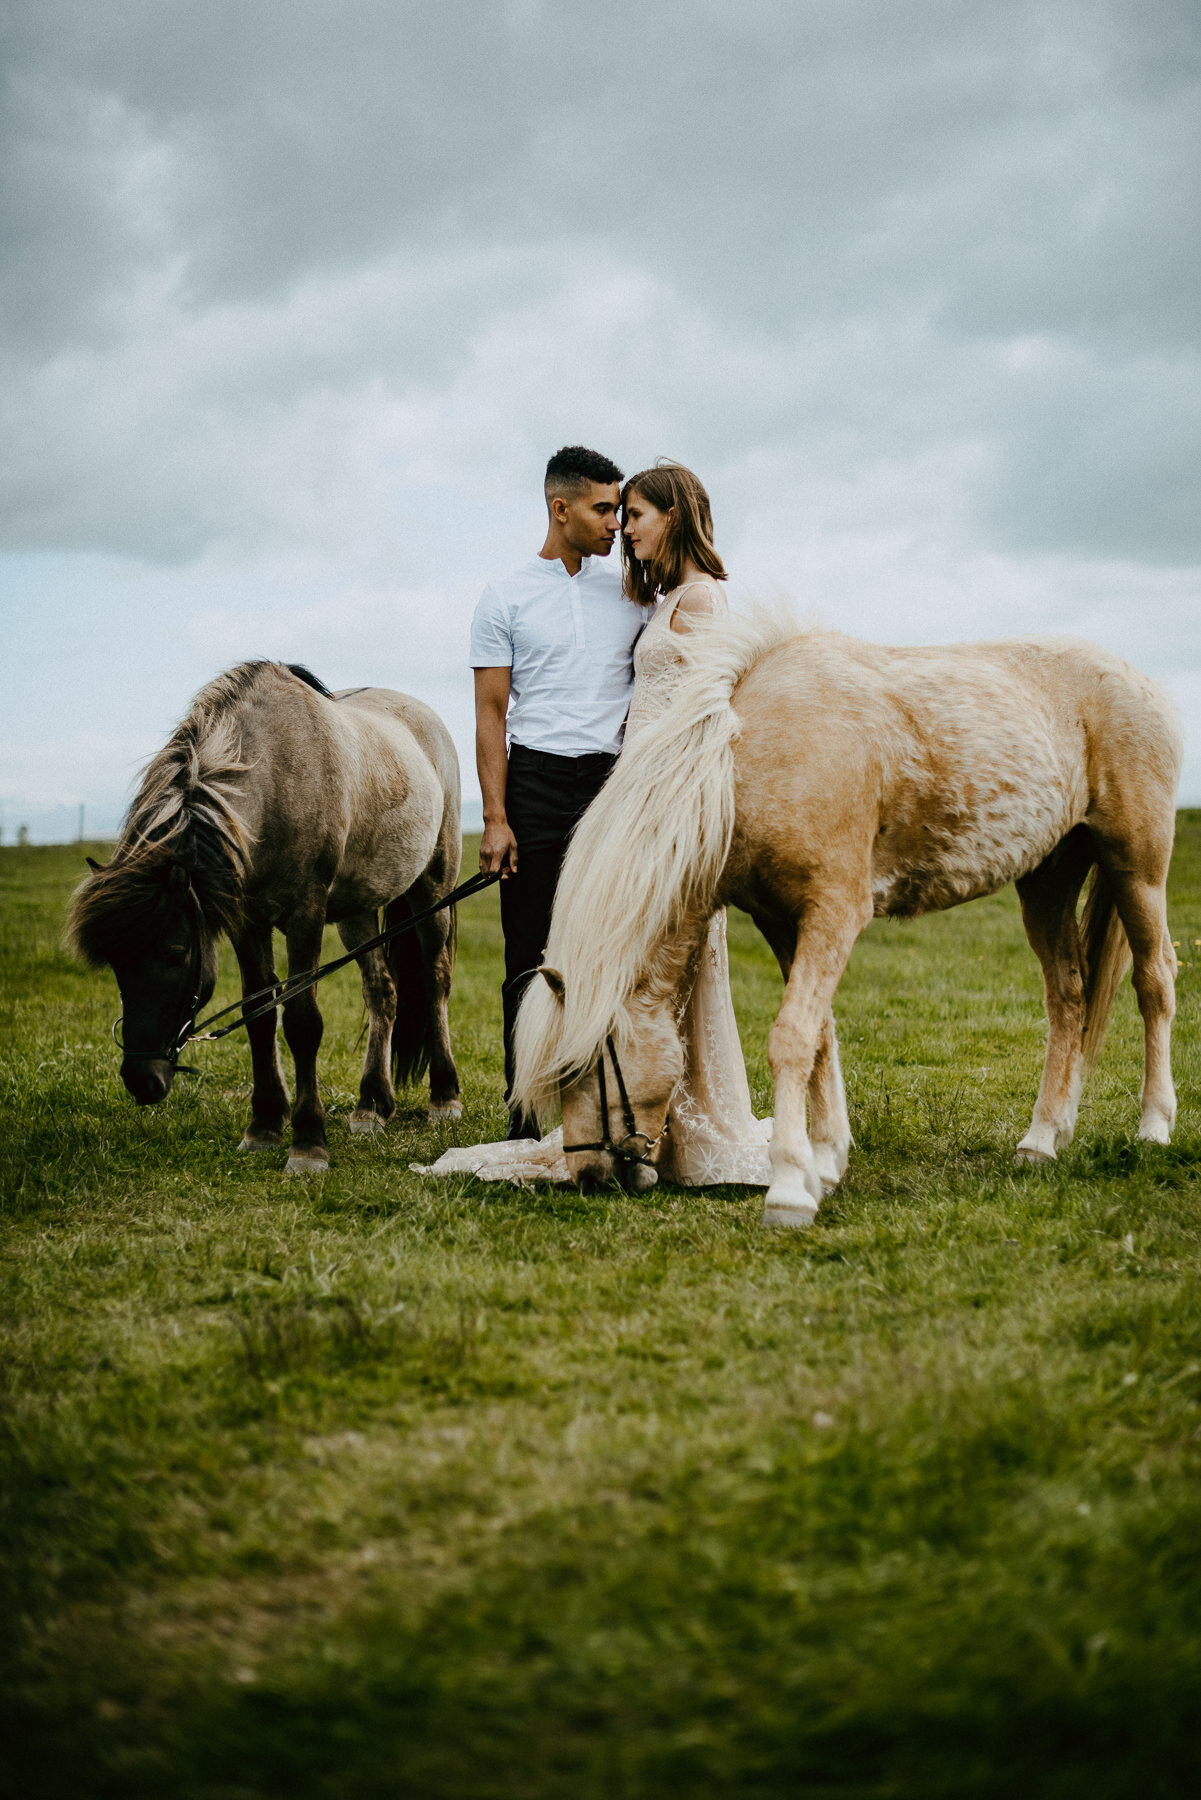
545	797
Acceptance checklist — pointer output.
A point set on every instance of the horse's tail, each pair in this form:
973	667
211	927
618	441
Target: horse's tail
1106	954
411	1043
644	863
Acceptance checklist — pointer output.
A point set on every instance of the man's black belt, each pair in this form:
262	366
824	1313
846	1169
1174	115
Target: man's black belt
552	762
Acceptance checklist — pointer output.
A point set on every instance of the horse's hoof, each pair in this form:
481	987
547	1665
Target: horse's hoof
307	1162
1155	1131
260	1140
449	1109
788	1216
365	1122
1030	1154
830	1168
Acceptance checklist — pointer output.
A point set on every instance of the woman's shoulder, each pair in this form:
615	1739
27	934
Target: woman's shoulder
698	599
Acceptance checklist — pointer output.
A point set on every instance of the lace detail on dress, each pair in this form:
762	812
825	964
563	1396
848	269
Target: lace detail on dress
518	1162
715	1136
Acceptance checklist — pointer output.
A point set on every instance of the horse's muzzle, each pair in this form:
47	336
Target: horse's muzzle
605	1171
148	1079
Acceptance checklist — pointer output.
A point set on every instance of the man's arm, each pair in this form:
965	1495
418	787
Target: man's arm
498	849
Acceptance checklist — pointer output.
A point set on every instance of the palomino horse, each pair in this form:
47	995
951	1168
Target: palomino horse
276	803
817	782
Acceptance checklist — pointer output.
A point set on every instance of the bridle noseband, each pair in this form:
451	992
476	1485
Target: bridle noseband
627	1151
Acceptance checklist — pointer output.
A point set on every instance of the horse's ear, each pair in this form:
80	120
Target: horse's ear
554	982
93	865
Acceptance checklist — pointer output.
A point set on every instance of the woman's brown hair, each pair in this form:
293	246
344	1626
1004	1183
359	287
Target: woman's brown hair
687	535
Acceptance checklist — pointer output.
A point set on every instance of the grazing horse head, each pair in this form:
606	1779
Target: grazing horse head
148	925
615	1112
614	1109
175	882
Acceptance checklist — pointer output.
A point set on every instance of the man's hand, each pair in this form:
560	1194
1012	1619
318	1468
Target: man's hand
498	849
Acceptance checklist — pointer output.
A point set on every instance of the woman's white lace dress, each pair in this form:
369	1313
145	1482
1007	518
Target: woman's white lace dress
715	1136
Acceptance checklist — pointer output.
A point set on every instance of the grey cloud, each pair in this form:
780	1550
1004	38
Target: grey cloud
854	208
1104	461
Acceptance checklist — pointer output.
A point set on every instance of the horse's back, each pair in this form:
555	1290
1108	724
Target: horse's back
402	776
355	794
947	772
418	718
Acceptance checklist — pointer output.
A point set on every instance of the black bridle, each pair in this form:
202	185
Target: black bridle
171	1053
627	1150
265	1000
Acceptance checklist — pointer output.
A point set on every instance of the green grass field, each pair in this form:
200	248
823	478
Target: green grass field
378	1486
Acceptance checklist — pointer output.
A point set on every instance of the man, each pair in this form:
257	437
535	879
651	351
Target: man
552	649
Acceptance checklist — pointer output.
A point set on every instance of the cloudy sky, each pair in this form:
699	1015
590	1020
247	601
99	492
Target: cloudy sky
298	297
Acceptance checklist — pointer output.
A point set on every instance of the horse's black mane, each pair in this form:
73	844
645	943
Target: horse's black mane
306	675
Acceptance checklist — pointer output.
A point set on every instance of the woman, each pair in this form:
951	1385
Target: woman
671	564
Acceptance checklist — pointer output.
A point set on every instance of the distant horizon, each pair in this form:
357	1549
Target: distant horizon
473	824
107	829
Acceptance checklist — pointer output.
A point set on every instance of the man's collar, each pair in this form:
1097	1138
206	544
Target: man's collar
556	563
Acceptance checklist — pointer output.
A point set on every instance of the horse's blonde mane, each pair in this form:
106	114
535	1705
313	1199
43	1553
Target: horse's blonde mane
191	778
645	860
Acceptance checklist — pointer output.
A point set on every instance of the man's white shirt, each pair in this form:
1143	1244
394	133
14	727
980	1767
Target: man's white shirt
568	641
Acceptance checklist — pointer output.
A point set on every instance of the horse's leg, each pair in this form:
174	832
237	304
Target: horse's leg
269	1098
1048	896
302	1028
377	1102
430	970
437	965
1142	908
829	1124
824	943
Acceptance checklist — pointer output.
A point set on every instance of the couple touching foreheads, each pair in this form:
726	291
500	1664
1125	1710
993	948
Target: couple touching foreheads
573	654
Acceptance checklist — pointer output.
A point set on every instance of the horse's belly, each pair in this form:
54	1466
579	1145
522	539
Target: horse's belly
930	856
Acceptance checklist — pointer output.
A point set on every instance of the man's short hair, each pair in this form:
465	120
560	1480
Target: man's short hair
573	467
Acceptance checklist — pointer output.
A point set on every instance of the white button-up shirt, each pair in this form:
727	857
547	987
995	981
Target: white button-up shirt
569	642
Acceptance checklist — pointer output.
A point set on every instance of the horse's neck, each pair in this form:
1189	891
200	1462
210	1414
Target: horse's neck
670	963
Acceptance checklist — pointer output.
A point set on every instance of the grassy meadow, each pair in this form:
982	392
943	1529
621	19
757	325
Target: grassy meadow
378	1486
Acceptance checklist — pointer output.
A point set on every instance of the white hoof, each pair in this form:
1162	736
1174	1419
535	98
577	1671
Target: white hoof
363	1123
1155	1131
307	1162
262	1140
453	1109
788	1215
830	1167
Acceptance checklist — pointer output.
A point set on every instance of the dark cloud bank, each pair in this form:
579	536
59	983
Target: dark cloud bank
1005	198
313	281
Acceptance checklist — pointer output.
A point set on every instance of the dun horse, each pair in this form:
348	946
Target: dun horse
278	804
817	782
